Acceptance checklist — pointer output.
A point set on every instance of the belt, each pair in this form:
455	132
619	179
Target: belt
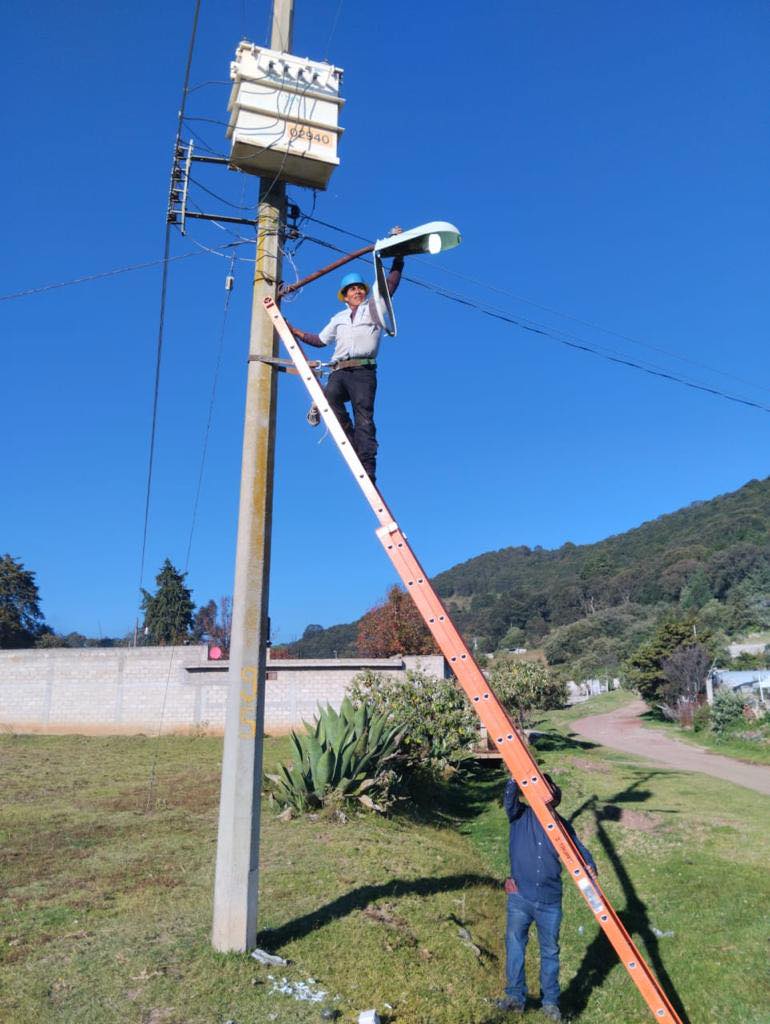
353	364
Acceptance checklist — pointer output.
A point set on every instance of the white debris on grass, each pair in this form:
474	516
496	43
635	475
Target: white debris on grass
369	1017
298	989
268	958
661	935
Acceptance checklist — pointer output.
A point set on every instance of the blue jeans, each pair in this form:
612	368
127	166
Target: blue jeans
547	917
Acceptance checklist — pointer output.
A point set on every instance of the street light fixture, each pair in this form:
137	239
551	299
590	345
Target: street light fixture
432	238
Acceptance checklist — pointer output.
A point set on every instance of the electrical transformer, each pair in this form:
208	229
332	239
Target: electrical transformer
284	114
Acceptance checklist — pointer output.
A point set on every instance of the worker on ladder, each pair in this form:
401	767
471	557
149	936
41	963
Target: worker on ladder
356	332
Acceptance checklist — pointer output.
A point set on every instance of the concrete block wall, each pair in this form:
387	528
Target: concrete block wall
167	689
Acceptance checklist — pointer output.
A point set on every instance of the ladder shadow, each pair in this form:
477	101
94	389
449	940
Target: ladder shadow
360	898
552	741
600	958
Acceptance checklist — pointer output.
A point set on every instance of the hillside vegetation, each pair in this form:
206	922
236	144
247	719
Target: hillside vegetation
590	605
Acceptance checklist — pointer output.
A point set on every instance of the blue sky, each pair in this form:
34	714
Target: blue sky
606	161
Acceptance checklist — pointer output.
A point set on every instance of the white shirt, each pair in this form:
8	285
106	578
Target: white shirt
357	337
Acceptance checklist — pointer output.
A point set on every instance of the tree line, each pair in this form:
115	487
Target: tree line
169	614
589	607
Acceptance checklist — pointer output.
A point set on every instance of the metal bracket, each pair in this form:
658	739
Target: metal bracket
283	365
386	530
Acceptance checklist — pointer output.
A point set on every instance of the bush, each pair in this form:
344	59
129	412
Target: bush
435	721
523	687
726	711
701	718
342	756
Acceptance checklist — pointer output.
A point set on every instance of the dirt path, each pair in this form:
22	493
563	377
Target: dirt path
622	730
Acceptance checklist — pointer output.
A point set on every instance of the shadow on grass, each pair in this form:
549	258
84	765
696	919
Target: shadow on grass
461	798
599	958
653	715
558	741
358	899
476	785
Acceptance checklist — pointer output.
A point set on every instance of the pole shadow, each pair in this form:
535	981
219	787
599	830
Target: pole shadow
358	899
599	957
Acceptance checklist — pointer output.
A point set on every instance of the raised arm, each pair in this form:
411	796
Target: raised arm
394	277
514	808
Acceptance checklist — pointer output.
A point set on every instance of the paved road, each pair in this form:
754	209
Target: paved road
622	730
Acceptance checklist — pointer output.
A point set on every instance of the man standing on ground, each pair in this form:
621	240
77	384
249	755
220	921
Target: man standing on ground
534	894
356	332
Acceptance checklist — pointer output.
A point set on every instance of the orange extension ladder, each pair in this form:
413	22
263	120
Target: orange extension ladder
500	728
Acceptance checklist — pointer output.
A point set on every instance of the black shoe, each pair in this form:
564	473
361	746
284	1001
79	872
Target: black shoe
551	1011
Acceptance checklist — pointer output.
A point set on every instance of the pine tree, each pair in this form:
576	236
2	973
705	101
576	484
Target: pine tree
646	666
21	621
168	613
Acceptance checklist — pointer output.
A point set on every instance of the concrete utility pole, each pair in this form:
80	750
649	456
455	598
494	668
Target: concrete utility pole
236	887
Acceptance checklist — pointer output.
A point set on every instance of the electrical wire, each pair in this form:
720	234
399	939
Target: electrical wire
156	384
221	199
334	29
214	382
334	227
202	142
569	341
304	111
237	239
211	81
94	277
568	316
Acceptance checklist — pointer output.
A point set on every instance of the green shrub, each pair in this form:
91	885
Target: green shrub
524	687
701	718
342	756
726	711
434	718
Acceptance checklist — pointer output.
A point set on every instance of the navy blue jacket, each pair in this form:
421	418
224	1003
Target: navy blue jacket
535	865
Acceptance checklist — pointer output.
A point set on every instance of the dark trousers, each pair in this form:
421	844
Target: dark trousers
357	385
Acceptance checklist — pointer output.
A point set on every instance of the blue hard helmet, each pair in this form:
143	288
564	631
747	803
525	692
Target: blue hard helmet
346	282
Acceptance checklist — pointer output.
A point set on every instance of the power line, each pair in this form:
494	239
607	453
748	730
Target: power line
214	383
156	384
220	198
567	316
95	277
334	28
163	293
202	142
583	346
210	81
569	341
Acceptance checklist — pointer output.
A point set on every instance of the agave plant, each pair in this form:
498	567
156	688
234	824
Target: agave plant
341	756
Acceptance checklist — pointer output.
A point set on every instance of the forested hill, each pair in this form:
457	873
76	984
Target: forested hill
589	604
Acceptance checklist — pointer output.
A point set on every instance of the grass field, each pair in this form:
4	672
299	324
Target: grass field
106	907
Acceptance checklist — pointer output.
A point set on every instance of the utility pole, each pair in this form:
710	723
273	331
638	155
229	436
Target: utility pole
236	887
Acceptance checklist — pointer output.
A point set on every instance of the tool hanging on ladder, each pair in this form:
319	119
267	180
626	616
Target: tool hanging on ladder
494	717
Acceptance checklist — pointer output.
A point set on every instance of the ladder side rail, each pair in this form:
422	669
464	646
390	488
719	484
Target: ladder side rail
504	733
515	752
310	381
